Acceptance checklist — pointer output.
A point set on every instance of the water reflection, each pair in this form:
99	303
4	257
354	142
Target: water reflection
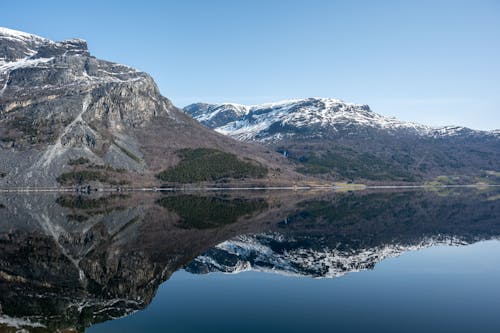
67	262
338	234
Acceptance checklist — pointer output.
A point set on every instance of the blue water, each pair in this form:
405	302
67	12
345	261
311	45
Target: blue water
439	289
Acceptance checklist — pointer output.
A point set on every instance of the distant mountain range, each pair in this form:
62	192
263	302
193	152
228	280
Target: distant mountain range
342	140
312	118
67	118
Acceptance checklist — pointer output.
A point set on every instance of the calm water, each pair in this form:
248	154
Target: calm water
435	290
350	262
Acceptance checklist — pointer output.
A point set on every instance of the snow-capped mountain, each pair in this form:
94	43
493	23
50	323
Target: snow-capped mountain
312	117
57	102
24	53
342	140
18	45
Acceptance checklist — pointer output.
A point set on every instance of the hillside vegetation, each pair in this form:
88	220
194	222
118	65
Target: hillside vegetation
203	164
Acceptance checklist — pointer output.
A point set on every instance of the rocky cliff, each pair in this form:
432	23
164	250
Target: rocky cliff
58	103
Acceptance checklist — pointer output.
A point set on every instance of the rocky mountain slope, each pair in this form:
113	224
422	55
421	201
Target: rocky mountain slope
345	140
58	103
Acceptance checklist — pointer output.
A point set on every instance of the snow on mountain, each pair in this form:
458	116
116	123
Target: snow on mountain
16	45
20	35
21	52
312	117
53	95
216	115
255	253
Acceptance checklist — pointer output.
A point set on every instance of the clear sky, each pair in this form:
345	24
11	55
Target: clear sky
434	62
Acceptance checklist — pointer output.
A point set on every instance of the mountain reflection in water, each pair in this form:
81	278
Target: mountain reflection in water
68	262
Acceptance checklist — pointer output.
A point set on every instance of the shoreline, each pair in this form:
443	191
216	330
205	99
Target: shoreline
352	187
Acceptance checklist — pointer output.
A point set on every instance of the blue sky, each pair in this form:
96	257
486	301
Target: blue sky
434	62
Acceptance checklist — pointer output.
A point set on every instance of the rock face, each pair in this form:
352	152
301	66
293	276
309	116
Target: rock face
57	102
328	135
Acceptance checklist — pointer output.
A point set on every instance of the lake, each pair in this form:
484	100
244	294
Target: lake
266	261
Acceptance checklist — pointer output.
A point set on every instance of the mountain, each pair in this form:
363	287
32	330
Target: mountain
311	118
349	141
69	118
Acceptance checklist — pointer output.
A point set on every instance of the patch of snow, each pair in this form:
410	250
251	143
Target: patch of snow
10	33
239	110
7	67
18	322
279	104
